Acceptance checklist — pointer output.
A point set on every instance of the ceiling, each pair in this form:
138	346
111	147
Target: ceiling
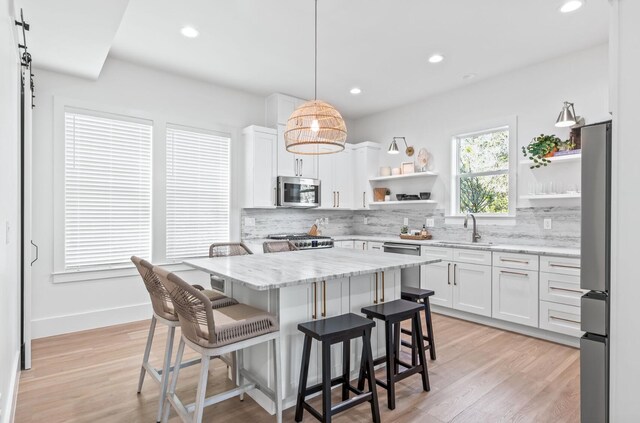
263	46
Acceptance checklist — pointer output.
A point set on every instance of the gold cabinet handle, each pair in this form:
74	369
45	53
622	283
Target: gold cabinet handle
382	296
324	298
375	301
507	272
315	301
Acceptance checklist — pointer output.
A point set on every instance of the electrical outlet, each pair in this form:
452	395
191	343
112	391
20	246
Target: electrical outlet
249	221
547	223
406	221
430	222
365	220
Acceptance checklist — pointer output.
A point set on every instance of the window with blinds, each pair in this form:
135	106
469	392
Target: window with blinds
198	190
107	188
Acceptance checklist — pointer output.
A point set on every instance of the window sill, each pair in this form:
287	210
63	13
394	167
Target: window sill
85	275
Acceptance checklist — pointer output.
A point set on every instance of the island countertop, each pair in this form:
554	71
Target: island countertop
277	270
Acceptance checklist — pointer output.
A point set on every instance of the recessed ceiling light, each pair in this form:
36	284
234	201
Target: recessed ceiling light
355	90
469	76
571	6
189	32
436	58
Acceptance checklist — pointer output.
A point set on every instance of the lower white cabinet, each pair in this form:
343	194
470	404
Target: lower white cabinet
472	288
343	244
360	245
375	245
437	277
561	318
515	296
558	288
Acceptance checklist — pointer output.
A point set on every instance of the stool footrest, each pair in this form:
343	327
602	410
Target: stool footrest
351	402
318	387
409	345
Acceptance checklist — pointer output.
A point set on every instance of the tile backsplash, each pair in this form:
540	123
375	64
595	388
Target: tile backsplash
527	229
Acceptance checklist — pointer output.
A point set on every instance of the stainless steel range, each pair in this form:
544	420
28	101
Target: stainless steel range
305	241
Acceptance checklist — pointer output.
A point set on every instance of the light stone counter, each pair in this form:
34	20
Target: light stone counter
524	249
277	270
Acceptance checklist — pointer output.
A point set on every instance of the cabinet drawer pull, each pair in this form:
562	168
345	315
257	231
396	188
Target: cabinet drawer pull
564	266
375	300
563	319
324	298
334	198
364	244
301	167
449	274
315	301
507	260
364	196
576	291
455	265
514	273
338	198
382	295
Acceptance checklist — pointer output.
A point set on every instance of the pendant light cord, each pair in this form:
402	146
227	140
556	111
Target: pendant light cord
315	89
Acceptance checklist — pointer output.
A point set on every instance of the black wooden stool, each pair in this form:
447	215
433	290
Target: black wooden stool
393	314
331	331
418	295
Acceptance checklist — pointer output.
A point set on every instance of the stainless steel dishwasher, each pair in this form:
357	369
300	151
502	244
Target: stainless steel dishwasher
411	275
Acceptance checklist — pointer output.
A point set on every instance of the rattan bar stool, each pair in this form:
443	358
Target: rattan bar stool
164	314
278	246
212	333
226	249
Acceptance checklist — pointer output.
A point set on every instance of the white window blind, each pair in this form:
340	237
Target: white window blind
107	189
198	188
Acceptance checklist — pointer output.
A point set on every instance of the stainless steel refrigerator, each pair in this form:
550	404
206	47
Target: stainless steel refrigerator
595	259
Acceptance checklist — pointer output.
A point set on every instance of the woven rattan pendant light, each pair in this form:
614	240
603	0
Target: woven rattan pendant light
315	127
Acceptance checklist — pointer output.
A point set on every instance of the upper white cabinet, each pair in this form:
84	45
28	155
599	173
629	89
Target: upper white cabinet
336	179
290	164
365	167
279	107
260	145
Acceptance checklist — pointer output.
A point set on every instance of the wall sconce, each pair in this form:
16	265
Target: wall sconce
567	116
393	148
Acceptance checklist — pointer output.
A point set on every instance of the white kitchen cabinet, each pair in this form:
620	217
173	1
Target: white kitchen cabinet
472	288
560	265
260	145
375	245
515	295
360	245
289	164
437	277
279	107
559	288
560	318
344	244
515	261
472	256
335	172
365	165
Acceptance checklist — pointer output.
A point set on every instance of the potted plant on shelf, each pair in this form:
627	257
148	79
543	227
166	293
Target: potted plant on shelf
540	149
387	195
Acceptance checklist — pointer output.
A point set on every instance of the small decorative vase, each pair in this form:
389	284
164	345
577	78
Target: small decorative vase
387	198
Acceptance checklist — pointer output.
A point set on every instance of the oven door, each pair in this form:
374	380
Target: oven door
298	192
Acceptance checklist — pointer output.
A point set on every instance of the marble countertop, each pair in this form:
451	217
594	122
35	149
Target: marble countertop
508	248
278	270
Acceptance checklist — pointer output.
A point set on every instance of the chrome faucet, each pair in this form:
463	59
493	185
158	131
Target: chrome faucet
476	236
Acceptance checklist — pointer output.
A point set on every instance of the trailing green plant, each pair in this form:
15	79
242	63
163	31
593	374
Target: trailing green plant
539	147
387	192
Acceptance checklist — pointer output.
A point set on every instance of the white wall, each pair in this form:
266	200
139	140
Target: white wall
9	209
534	94
121	88
625	283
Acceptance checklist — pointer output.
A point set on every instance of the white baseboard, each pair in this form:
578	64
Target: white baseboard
558	338
8	404
58	325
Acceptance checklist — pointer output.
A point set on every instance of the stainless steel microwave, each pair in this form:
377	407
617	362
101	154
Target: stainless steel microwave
298	192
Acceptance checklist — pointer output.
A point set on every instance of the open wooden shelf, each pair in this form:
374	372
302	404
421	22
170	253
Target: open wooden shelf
401	203
407	176
566	158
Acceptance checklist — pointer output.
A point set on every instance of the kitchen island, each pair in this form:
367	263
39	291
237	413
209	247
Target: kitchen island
300	286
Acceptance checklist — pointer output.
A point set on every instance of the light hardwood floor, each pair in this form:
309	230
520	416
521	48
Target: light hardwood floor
482	374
